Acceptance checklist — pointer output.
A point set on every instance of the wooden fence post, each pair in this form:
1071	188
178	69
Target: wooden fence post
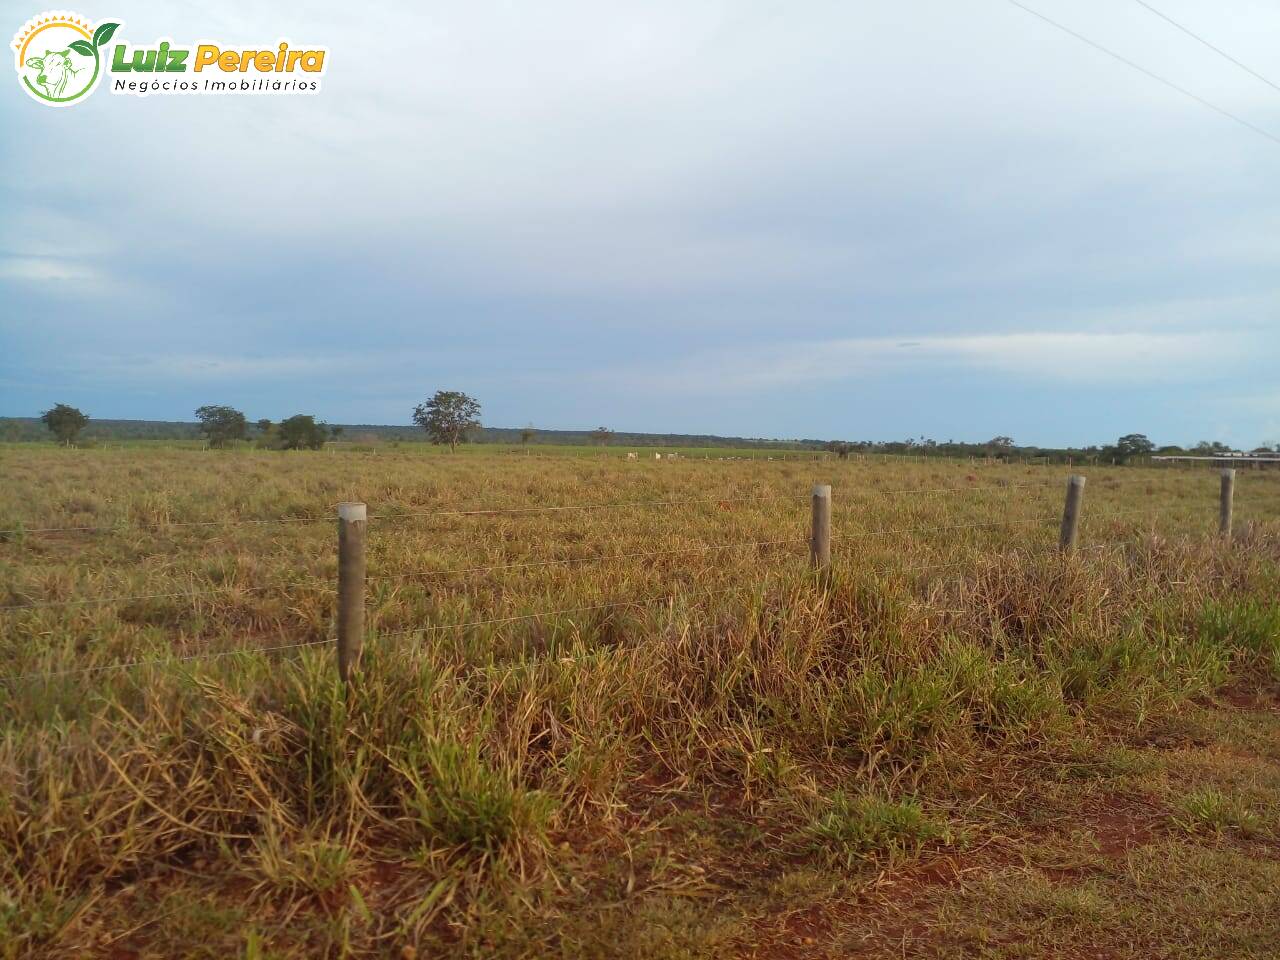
1225	498
352	521
1071	514
820	531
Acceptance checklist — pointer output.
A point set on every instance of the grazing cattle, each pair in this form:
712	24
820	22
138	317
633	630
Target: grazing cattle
55	71
631	456
657	456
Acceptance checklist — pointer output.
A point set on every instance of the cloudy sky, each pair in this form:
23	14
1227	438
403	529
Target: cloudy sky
858	219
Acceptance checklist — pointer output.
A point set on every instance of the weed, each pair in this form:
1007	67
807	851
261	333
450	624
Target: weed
866	826
1212	810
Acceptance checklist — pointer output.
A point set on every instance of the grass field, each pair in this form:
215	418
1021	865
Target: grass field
685	746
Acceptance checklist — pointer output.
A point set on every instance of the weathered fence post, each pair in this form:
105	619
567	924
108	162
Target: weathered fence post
352	521
1225	498
1071	513
820	532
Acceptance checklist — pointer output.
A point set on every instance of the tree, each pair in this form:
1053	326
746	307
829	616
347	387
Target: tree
526	435
64	422
302	432
1134	445
601	436
336	431
999	445
222	424
264	427
448	417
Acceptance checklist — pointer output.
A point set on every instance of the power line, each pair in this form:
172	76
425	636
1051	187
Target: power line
1154	76
1218	50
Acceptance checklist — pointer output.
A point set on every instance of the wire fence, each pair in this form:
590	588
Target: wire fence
151	526
818	533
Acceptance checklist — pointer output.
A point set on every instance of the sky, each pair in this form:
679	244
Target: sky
867	219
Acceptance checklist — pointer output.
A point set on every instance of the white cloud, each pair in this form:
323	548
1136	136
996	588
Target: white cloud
48	269
1068	358
185	368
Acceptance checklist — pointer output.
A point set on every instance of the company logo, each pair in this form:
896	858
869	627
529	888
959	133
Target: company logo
61	57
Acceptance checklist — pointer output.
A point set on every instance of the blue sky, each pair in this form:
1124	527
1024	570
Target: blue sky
863	220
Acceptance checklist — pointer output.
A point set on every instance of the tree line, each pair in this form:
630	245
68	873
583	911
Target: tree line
448	417
452	417
1127	449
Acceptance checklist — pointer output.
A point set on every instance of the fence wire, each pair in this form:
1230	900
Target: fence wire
853	493
431	628
604	558
542	614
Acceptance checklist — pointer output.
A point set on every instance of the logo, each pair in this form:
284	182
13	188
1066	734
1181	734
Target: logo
59	58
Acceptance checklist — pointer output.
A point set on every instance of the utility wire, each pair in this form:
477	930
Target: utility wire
1218	50
1154	76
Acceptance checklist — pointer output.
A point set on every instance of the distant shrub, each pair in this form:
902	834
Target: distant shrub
301	432
64	422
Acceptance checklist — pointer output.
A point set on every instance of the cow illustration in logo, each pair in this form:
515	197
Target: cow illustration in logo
56	71
59	59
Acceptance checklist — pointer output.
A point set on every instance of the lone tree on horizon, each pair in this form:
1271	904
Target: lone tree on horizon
448	417
1000	446
1133	445
221	424
302	432
526	435
601	436
64	422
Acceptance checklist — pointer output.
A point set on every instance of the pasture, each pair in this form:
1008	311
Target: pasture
606	709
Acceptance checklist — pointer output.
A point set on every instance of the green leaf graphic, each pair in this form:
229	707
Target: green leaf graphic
104	33
82	47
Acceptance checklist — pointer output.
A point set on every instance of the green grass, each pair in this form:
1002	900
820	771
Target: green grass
866	827
1211	809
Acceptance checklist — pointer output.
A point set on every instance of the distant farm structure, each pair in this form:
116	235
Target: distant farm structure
1232	458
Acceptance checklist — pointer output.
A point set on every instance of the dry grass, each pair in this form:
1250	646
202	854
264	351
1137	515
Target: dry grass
652	779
